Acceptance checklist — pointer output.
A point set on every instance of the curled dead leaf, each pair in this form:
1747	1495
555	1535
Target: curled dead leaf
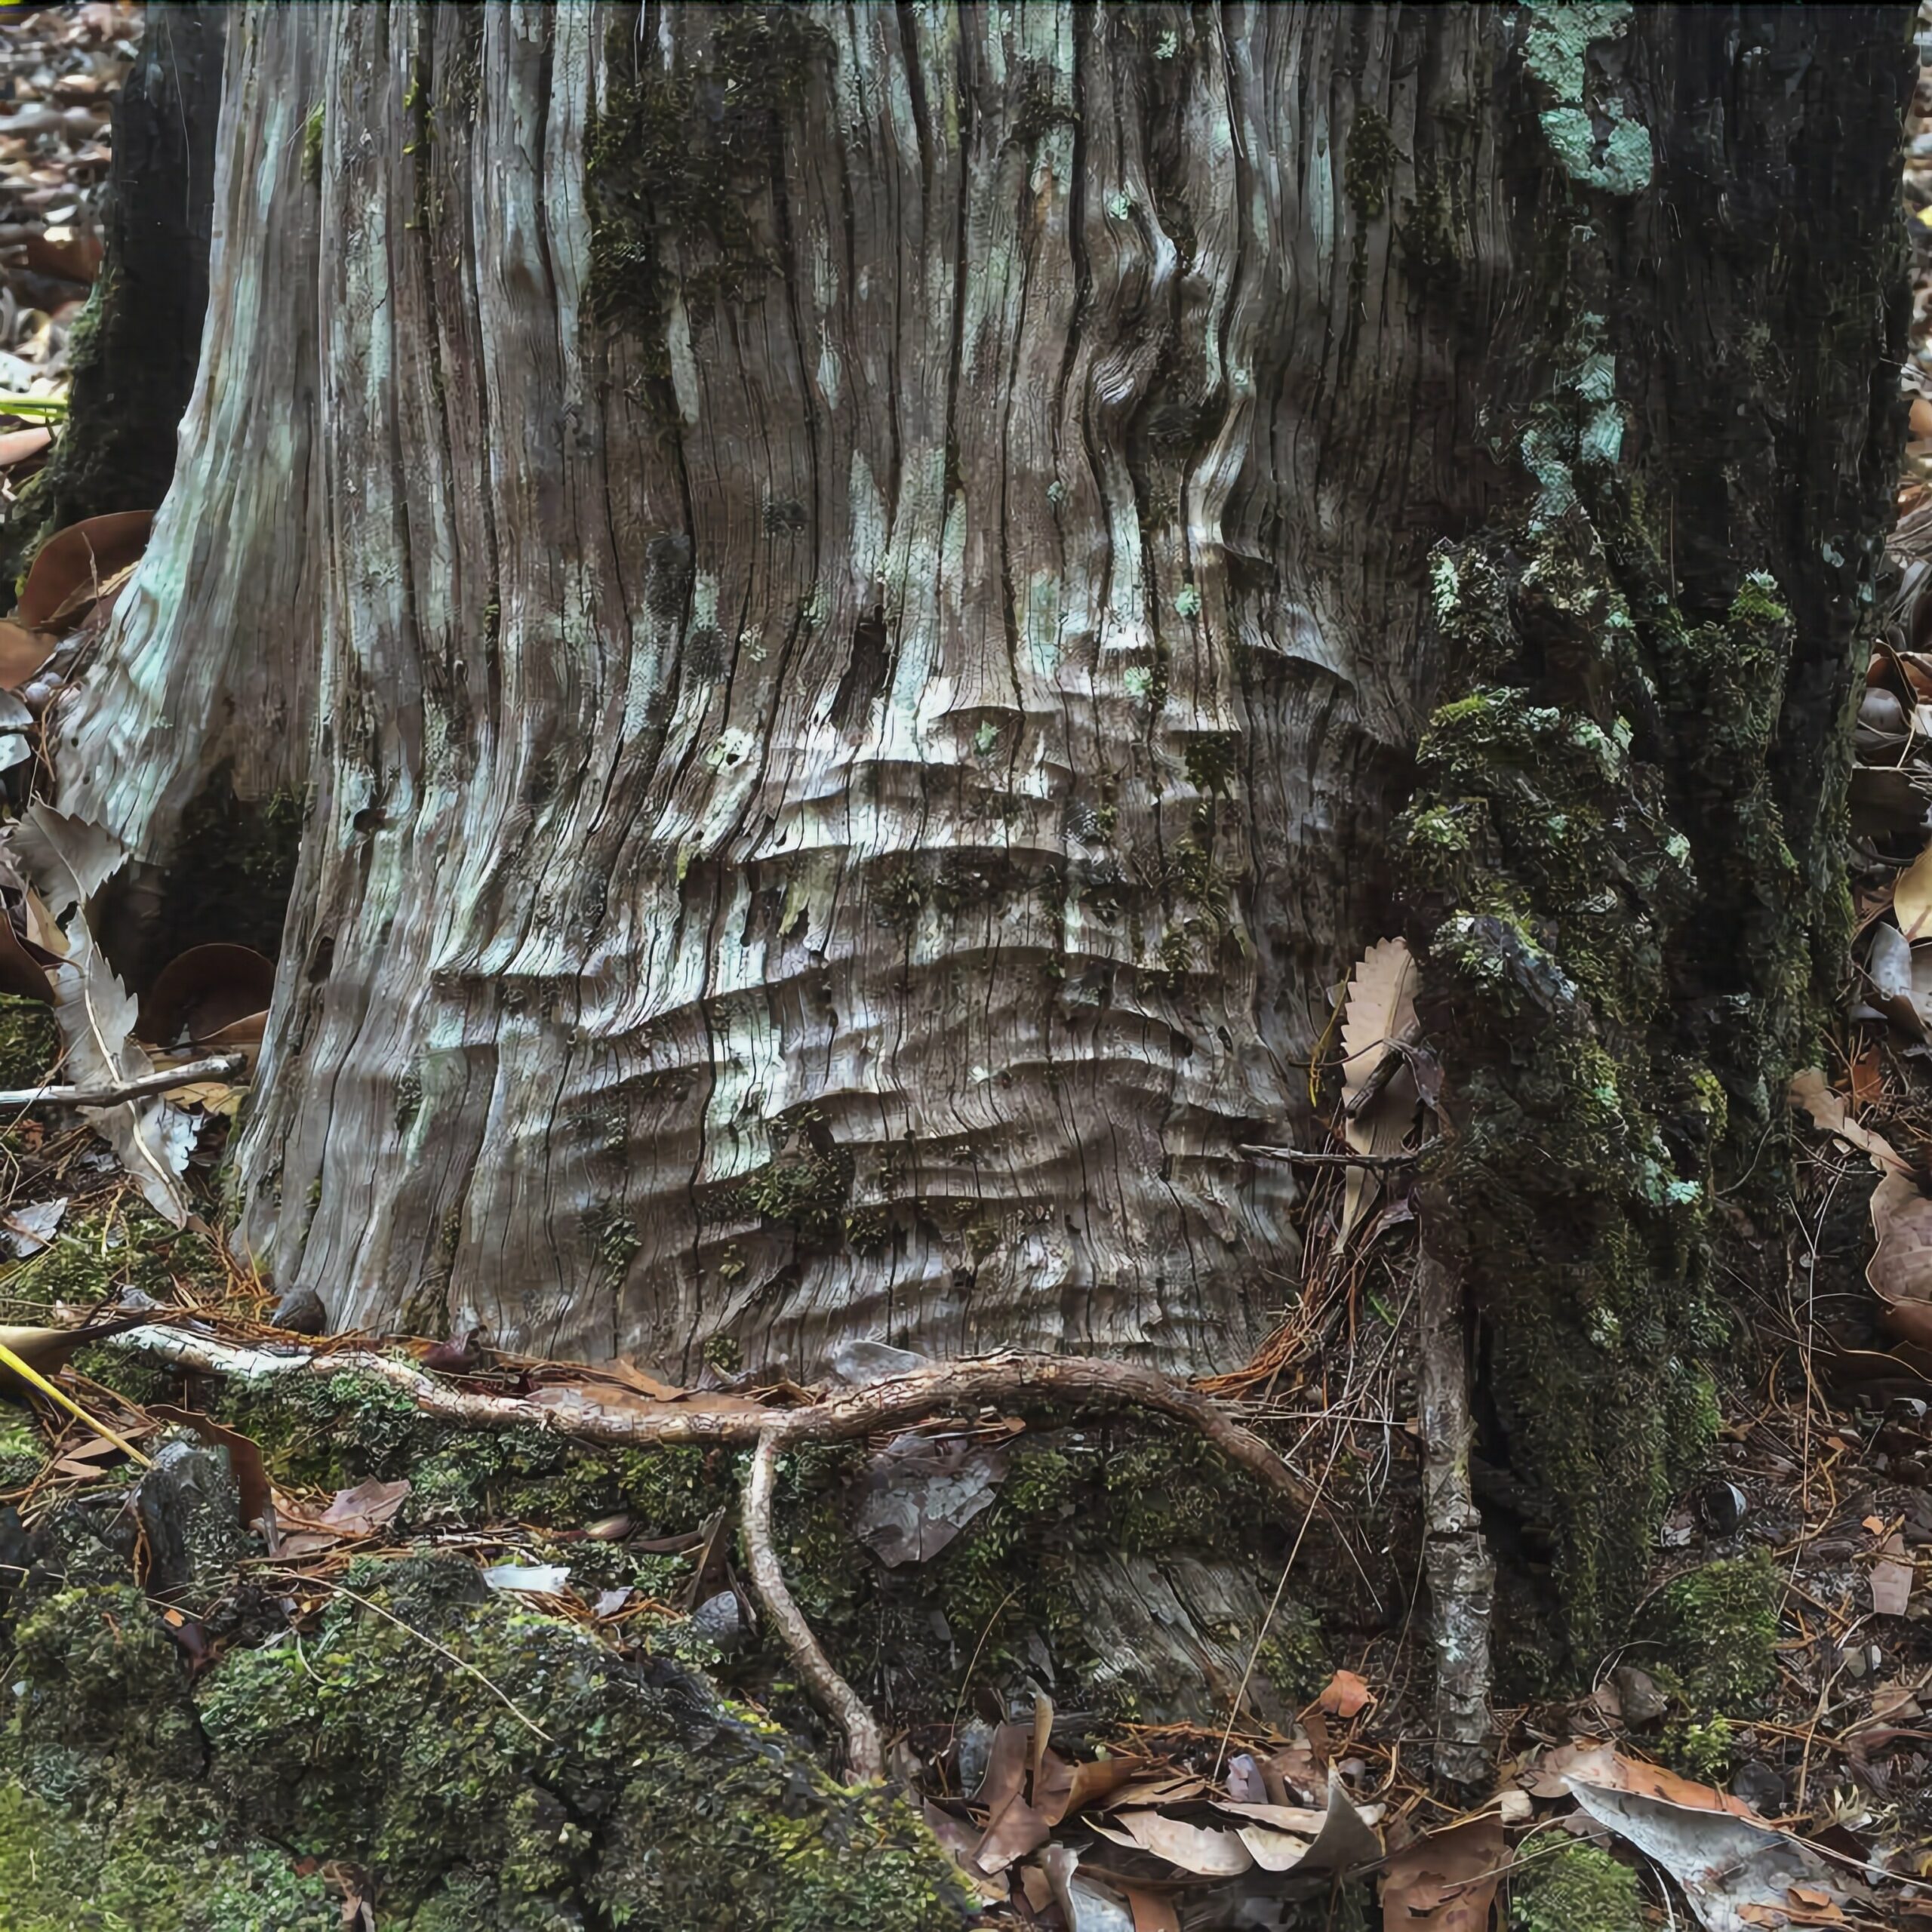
81	559
16	445
1447	1880
1814	1094
22	652
206	991
1344	1695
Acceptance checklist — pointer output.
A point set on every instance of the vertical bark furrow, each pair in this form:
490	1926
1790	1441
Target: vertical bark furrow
896	695
209	664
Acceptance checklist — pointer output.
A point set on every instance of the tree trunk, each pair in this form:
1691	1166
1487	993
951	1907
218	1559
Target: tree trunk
135	356
873	582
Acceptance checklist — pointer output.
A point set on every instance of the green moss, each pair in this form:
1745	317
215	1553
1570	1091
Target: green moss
646	1801
676	163
1368	167
808	1191
1565	1887
144	1865
1705	1751
311	146
1717	1631
1565	896
22	1451
29	1041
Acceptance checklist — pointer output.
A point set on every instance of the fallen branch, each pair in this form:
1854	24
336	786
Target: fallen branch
837	1416
865	1750
1302	1157
195	1073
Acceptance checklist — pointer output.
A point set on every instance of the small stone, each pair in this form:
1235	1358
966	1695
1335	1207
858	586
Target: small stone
1856	1660
1761	1788
1722	1505
971	1752
720	1621
300	1311
1637	1691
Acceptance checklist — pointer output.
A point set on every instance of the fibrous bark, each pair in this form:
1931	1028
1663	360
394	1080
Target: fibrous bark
881	575
201	692
870	648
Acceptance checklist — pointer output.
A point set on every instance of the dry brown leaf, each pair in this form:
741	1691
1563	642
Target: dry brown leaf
1013	1827
1911	898
203	992
1344	1695
1152	1912
244	1457
1891	1578
620	1368
1380	1005
359	1512
1064	1790
960	1840
22	652
1810	1090
1279	1817
1900	1269
1867	1073
1272	1850
20	973
16	445
1205	1852
1175	1788
1290	1775
81	558
1631	1774
1585	1757
68	254
1447	1880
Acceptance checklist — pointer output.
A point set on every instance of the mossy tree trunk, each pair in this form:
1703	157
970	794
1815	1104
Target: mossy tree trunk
874	580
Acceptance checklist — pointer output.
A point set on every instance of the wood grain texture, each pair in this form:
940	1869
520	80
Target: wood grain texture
210	659
837	808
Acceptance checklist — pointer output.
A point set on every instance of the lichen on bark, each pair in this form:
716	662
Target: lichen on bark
1618	858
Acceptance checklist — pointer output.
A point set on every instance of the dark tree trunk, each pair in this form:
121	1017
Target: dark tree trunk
879	600
136	353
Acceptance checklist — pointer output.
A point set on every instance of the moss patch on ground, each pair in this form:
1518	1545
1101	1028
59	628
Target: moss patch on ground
488	1767
1568	1888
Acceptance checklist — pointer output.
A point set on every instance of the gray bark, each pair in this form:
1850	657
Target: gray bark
837	803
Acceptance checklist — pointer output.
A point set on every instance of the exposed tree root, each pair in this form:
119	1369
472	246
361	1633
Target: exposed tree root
1462	1576
838	1415
865	1749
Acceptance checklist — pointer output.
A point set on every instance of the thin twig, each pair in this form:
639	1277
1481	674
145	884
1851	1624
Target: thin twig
837	1416
219	1066
1358	1103
865	1749
1304	1158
